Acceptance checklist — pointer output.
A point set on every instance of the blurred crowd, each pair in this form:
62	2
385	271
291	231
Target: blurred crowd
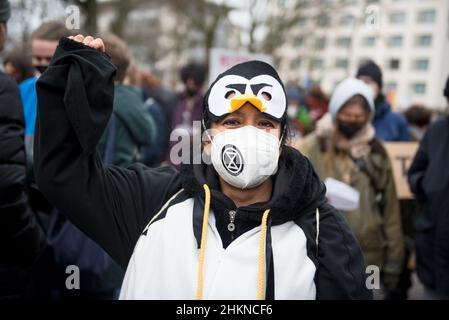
341	134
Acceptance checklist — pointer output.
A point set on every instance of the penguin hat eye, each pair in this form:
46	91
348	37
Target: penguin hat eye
230	94
264	91
271	93
266	95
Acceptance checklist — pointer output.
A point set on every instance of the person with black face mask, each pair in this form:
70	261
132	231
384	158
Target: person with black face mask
344	148
44	41
190	101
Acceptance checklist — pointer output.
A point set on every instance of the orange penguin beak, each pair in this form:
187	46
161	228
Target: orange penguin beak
240	101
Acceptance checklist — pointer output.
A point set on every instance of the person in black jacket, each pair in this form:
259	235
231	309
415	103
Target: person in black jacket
236	229
21	237
429	180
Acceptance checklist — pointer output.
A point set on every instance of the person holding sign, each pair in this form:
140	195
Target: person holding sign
359	177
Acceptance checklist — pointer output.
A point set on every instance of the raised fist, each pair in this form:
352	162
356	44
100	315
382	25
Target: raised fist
89	41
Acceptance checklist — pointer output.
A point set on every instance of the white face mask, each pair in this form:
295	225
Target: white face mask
245	157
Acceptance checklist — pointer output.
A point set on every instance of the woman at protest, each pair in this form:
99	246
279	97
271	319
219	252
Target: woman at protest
238	228
344	148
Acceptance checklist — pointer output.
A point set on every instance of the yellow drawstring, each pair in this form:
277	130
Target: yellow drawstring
262	244
199	292
263	232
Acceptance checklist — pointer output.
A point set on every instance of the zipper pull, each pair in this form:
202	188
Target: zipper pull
231	225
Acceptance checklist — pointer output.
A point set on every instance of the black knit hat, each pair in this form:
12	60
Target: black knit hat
372	70
5	10
446	89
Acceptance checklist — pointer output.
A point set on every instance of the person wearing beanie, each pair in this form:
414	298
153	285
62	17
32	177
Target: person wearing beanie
389	125
22	239
246	218
344	148
429	181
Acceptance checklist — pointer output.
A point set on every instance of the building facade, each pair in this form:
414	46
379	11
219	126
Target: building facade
409	39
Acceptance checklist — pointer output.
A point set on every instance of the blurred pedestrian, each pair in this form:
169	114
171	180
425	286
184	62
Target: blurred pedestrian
429	180
134	126
189	107
22	239
418	119
344	148
389	125
18	66
298	116
151	154
317	102
44	41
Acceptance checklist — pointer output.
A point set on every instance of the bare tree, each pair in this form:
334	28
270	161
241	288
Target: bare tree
203	18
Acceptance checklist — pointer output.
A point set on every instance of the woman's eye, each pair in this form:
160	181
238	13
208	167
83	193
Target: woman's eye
266	124
231	122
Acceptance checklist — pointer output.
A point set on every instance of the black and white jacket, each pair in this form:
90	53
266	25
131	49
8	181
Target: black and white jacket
150	220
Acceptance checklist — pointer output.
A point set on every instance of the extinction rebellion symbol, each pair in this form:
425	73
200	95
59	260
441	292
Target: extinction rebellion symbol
232	159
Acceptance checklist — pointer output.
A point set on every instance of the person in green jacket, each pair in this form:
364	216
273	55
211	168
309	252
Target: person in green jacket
344	148
133	126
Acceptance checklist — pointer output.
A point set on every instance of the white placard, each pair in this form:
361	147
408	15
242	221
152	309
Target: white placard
223	59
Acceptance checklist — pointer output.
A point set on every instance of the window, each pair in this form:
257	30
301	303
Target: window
344	42
296	64
317	64
395	41
320	43
299	42
421	64
347	20
423	41
342	63
397	17
394	64
419	88
426	16
369	41
322	20
391	86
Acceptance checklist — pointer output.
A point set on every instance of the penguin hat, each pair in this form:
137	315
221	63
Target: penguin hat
253	82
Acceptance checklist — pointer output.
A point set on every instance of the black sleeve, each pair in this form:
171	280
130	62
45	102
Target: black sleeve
341	272
110	204
21	237
418	168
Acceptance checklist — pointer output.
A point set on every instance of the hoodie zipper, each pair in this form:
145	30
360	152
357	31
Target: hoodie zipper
231	224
